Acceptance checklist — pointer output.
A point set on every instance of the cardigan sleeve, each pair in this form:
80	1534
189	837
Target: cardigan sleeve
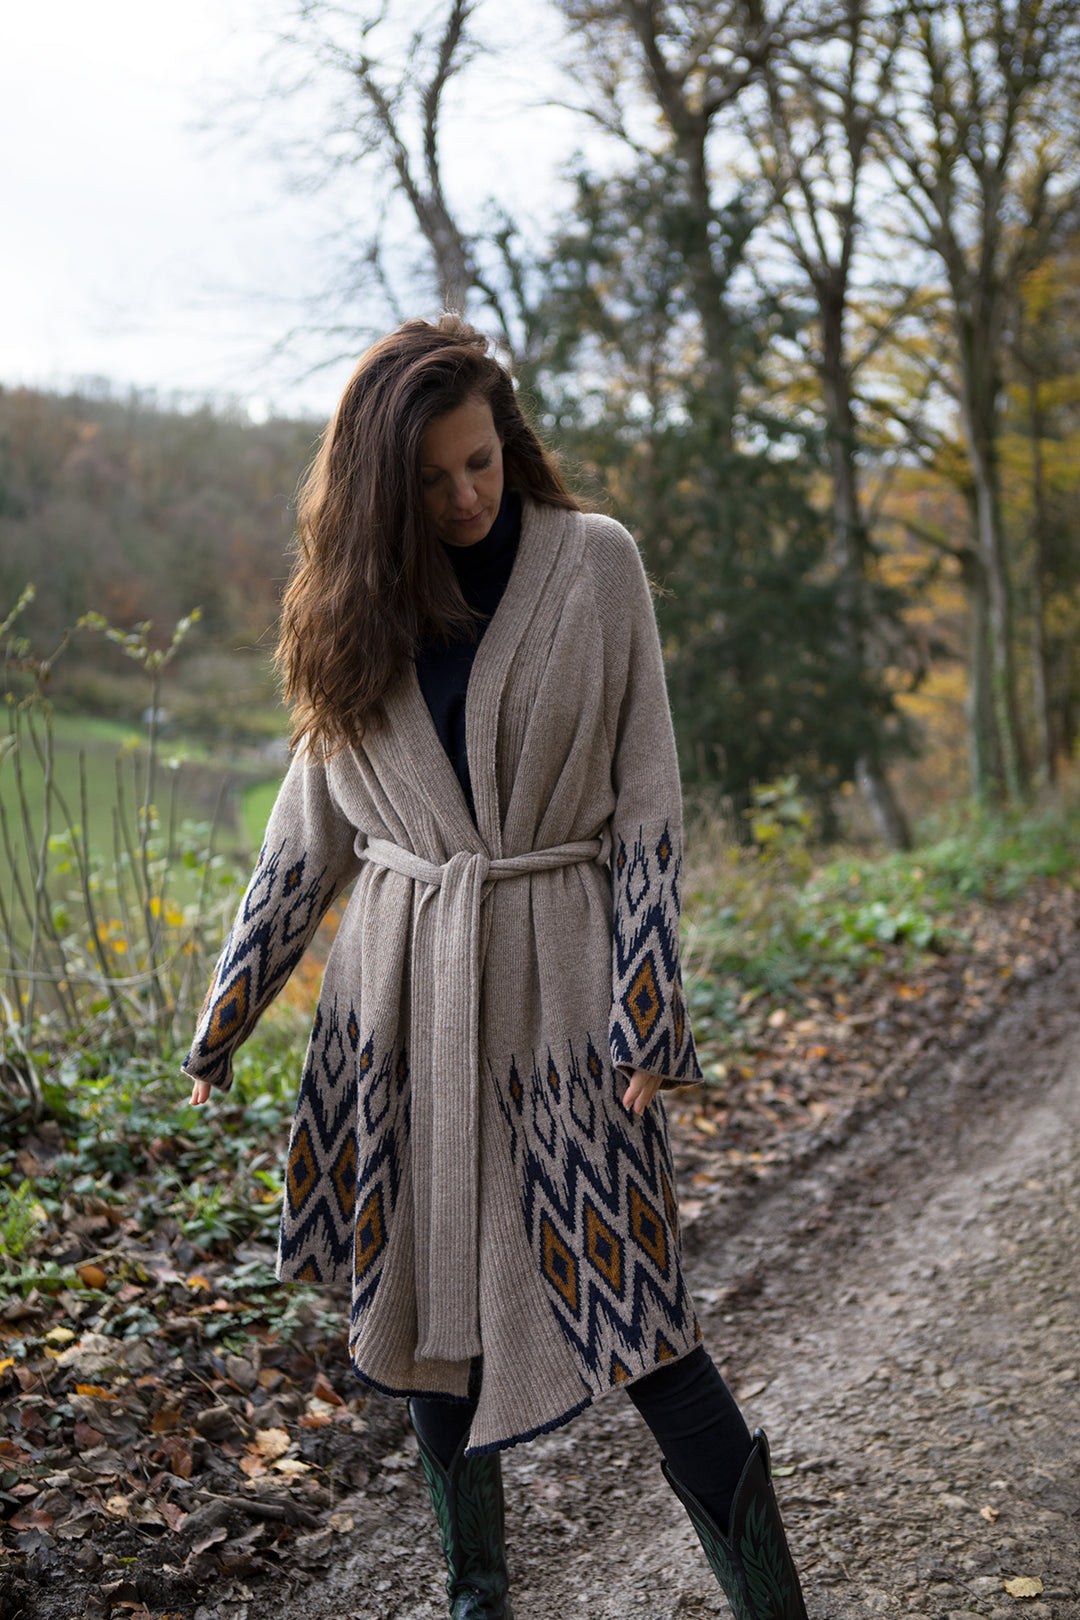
649	1026
309	855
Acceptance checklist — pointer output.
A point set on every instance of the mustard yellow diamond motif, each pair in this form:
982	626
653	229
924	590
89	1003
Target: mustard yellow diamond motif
603	1248
229	1012
642	1000
369	1233
560	1267
302	1172
647	1228
344	1177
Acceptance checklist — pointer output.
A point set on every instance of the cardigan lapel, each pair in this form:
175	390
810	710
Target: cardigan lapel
409	742
545	547
550	546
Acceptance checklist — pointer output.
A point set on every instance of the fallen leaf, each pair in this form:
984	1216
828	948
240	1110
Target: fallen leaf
291	1465
271	1442
80	1524
341	1522
118	1507
218	1423
59	1335
147	1513
172	1513
180	1460
31	1519
91	1276
1024	1586
988	1513
165	1421
218	1533
323	1390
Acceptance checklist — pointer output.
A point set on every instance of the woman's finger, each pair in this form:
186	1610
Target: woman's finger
200	1092
641	1091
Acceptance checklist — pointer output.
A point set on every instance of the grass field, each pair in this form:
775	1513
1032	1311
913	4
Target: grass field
256	803
104	763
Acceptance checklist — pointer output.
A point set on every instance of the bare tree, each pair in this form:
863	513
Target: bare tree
692	62
980	150
384	78
813	144
1043	351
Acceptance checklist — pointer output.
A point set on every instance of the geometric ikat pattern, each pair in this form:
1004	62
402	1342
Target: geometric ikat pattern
600	1215
649	1026
344	1168
280	911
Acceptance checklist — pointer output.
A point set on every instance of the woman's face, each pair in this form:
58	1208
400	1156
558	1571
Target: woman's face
461	472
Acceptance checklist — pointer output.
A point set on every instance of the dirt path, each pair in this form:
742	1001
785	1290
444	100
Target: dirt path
901	1316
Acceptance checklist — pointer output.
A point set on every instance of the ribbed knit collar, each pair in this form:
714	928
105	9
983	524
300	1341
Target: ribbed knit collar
549	554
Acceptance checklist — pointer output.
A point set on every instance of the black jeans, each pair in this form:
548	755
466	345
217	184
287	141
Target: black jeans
687	1405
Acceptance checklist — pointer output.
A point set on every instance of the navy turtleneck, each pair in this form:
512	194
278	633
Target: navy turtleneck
443	667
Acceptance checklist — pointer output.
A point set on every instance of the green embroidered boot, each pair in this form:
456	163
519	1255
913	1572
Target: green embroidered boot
752	1561
468	1502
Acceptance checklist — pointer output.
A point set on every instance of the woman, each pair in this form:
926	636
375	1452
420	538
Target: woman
483	748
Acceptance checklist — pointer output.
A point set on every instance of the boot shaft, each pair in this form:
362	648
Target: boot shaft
750	1558
467	1498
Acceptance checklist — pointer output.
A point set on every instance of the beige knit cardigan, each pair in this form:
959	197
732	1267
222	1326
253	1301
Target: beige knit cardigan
459	1152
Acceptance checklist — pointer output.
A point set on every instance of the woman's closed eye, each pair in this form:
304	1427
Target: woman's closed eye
430	479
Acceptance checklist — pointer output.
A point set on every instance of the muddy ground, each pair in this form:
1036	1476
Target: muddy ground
901	1316
899	1312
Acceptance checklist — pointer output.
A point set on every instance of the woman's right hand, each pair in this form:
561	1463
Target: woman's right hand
200	1092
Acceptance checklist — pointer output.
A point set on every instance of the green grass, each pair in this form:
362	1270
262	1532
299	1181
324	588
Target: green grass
113	767
777	921
256	803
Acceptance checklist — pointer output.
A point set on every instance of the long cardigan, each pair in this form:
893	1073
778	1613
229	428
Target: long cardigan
459	1152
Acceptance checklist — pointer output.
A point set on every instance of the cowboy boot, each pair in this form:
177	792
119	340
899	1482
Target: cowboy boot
751	1560
468	1501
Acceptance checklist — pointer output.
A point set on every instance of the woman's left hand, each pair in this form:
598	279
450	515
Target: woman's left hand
641	1091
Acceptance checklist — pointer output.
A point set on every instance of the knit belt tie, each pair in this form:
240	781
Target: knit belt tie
444	1065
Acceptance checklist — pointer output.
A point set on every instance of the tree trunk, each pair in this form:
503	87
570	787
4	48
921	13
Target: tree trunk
984	745
981	388
851	549
1046	765
889	818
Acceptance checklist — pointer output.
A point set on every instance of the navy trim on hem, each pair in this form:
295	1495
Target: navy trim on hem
530	1434
407	1394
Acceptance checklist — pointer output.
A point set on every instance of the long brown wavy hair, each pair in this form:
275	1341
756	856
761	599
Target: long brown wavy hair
370	576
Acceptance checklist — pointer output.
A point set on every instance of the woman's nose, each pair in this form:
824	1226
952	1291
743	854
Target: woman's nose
464	491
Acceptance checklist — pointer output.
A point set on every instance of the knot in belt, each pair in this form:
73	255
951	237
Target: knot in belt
444	1065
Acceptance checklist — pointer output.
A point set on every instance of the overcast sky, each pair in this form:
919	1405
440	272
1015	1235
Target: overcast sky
142	247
